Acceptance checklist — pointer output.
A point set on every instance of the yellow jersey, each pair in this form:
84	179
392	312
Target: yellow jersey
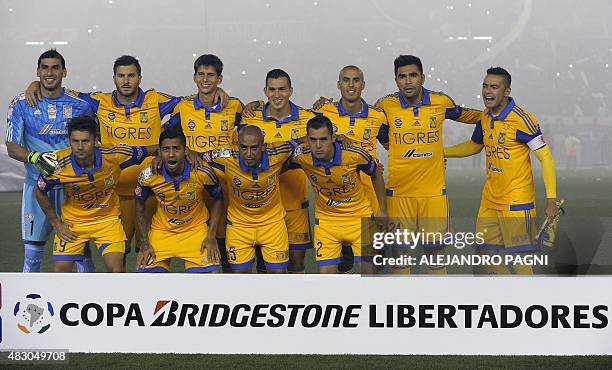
414	134
137	124
254	194
337	186
293	183
362	128
206	128
180	201
90	196
508	140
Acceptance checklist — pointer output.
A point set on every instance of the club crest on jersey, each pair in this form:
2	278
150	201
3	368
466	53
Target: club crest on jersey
67	111
111	117
367	134
52	111
295	133
237	181
314	177
191	125
501	139
346	178
433	122
224	125
144	117
271	180
191	195
109	181
398	122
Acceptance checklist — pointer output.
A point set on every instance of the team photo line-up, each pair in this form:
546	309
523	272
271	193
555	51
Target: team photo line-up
222	185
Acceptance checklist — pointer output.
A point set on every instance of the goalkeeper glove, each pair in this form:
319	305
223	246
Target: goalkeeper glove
45	162
548	232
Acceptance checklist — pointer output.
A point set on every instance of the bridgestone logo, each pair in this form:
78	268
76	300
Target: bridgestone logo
413	154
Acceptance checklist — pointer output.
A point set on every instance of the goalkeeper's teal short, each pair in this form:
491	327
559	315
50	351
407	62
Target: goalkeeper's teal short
508	231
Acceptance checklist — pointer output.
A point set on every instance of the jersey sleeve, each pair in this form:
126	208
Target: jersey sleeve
130	155
14	123
477	136
174	122
211	181
528	131
90	98
457	113
47	183
365	162
216	158
143	190
167	103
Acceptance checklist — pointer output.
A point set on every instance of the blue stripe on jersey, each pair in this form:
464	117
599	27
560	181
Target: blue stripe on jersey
42	128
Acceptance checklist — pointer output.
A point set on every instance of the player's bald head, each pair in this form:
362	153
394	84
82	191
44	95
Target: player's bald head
249	133
350	68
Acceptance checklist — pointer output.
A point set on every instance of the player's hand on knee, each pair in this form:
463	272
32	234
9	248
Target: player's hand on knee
63	231
321	102
33	94
212	249
250	108
221	97
146	256
45	162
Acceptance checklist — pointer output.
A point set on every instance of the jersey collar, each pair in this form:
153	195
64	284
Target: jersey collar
336	161
362	114
425	101
78	170
264	165
294	116
177	181
197	104
137	103
504	113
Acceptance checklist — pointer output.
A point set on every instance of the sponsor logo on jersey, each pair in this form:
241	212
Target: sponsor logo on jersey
314	177
208	126
237	181
191	125
416	123
398	122
178	222
494	169
37	112
111	116
278	135
412	153
49	130
95	206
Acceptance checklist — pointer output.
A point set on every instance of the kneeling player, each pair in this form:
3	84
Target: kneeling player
343	213
88	174
181	226
255	214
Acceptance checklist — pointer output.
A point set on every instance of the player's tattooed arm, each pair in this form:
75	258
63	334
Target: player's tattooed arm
210	242
146	255
379	188
321	102
250	108
62	228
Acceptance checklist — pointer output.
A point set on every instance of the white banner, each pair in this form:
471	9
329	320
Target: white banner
272	314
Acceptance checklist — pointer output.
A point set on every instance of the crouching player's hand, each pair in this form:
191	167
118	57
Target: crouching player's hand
212	249
146	255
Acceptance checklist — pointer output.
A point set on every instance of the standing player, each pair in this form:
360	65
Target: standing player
132	117
416	189
90	211
509	134
255	214
281	121
32	131
360	123
342	203
207	124
181	226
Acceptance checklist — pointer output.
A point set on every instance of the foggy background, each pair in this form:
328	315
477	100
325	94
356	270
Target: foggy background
558	52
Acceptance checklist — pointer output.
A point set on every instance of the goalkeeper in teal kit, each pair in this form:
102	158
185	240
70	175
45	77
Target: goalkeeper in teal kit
33	133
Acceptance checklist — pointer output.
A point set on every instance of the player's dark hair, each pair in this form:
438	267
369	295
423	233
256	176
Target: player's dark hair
83	123
52	53
208	60
320	121
278	73
407	60
173	133
126	60
499	71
